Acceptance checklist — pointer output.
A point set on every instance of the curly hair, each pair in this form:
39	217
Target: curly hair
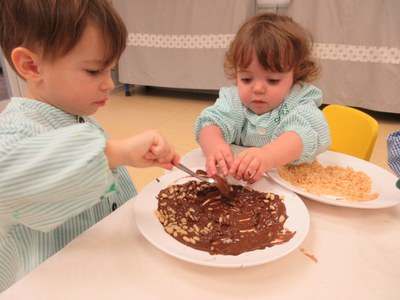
279	43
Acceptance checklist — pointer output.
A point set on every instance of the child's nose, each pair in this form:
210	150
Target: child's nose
108	83
259	87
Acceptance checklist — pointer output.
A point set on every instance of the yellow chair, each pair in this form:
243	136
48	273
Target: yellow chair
353	132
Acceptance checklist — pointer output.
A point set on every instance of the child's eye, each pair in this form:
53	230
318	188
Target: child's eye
273	81
246	80
93	72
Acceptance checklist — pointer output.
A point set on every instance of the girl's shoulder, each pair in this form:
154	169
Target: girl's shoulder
230	92
302	88
229	97
303	93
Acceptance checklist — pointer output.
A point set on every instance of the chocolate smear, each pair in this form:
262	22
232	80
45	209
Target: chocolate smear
195	214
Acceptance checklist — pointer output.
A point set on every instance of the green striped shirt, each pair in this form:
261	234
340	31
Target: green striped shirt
54	183
299	112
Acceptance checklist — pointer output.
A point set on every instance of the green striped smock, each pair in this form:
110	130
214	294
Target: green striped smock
54	183
299	112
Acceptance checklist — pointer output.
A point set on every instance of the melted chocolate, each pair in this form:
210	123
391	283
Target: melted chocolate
224	188
222	185
196	214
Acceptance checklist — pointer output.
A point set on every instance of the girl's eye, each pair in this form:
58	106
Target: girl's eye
246	80
273	81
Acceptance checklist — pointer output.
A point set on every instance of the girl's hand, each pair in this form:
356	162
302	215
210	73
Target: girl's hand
148	149
220	155
217	151
251	164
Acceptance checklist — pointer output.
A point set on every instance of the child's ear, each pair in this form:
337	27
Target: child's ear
26	63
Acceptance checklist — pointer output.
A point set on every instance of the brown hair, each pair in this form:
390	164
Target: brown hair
279	44
55	26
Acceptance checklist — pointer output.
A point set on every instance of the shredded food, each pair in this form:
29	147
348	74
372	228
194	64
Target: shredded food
317	179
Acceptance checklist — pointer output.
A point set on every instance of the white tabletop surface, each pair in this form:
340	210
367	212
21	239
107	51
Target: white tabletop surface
356	256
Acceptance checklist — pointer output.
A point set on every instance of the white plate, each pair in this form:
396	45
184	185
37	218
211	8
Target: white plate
153	231
383	182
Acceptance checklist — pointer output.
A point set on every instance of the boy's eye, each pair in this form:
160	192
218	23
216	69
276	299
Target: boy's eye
93	72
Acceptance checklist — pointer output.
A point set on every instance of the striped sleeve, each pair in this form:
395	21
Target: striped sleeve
226	113
393	145
49	178
303	116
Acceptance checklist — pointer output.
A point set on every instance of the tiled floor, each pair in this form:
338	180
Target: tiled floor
174	113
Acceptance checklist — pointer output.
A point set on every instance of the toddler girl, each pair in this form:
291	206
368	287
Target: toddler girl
272	109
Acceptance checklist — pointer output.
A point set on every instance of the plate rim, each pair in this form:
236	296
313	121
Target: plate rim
220	261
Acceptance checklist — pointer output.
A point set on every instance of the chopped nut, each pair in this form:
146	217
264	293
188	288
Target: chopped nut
207	223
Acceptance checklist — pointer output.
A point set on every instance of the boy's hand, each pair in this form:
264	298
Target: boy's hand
148	149
162	152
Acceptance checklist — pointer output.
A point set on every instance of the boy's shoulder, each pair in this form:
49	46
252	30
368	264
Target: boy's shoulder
27	112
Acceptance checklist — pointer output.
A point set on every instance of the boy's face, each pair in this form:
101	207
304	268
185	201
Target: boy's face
78	83
262	91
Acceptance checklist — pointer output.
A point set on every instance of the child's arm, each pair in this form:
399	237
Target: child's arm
147	149
251	164
216	150
51	177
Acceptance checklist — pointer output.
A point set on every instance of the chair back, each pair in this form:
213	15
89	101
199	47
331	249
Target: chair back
353	132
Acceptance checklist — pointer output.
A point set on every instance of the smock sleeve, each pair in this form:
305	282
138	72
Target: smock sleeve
393	145
226	113
48	178
300	113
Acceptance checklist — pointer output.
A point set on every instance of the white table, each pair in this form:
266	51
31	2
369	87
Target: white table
357	252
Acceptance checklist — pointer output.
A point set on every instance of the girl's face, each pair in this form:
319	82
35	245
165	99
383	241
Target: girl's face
262	91
78	83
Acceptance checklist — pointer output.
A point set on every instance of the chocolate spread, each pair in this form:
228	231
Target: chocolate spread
197	215
224	188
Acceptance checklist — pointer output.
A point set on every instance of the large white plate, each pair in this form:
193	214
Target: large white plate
383	182
148	224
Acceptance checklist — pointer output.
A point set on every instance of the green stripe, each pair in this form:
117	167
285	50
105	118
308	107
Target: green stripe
52	178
